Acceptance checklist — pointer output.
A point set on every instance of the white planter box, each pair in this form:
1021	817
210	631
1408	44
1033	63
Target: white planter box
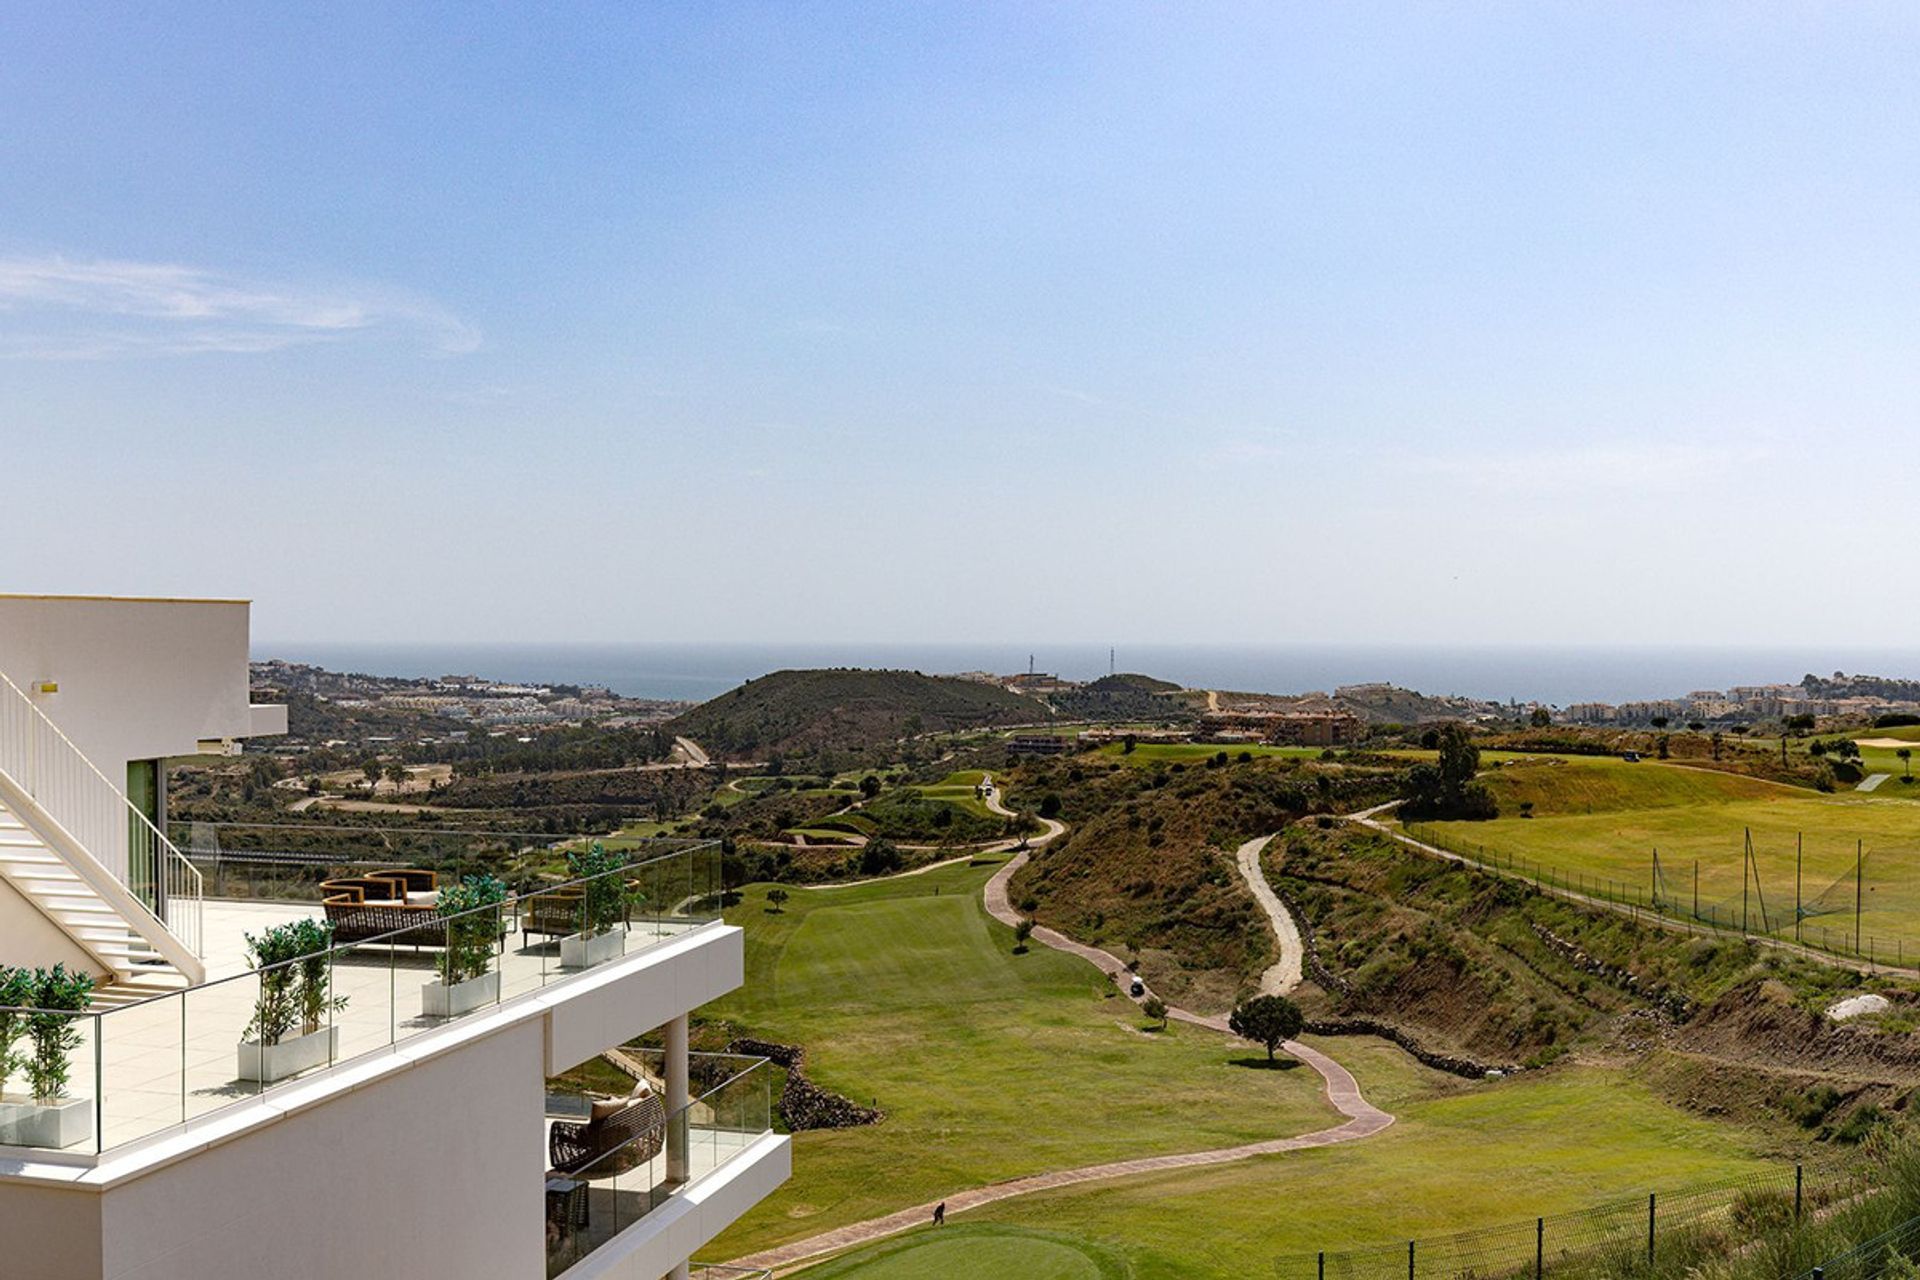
438	1000
577	952
288	1058
55	1125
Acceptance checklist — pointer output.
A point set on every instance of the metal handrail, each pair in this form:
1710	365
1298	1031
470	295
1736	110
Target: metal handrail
88	807
394	937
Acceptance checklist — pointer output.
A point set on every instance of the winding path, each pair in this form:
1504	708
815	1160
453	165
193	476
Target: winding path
1284	975
1363	1119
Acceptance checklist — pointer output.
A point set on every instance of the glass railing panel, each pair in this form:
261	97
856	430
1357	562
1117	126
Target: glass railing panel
594	1194
143	1056
373	995
225	1058
52	1101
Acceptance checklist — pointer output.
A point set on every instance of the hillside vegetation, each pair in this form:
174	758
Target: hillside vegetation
800	712
1147	864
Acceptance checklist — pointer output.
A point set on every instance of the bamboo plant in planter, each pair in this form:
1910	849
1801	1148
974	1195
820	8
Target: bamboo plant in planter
603	908
468	979
16	993
296	984
57	998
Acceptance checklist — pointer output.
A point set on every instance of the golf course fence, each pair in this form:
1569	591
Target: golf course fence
1871	1259
1754	917
1617	1235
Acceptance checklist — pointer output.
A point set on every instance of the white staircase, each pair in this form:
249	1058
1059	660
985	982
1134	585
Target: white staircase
56	810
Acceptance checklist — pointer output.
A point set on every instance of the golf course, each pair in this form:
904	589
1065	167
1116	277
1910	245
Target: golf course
1603	819
991	1065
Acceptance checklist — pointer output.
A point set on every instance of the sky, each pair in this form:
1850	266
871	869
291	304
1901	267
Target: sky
1468	323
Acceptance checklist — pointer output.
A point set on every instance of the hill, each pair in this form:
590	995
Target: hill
1126	697
791	712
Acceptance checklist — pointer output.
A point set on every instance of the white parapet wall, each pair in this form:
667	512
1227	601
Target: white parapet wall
426	1159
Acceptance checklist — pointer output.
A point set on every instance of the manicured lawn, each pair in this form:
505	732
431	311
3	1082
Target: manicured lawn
957	789
989	1065
1461	1155
1603	819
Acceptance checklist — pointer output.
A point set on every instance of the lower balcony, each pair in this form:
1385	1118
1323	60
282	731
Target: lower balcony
617	1164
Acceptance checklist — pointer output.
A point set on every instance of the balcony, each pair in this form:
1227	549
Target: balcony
145	1068
603	1179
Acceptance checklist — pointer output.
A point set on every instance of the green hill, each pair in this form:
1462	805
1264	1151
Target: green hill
1126	696
845	709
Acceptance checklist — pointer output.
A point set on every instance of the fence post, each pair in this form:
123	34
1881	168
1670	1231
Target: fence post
1796	1192
1539	1247
1409	1260
1323	1264
1649	1229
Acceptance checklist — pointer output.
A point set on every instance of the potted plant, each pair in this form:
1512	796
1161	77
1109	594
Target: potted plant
295	973
603	908
467	979
58	998
16	993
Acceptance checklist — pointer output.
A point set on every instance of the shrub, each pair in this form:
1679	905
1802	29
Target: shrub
472	930
59	995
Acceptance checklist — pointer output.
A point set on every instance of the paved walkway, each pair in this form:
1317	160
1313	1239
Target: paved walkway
1284	975
1343	1091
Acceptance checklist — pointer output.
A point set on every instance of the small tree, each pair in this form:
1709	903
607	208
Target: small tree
777	900
472	908
1906	763
1021	932
1526	808
372	768
1050	805
1540	718
869	786
397	775
1266	1020
1660	722
59	996
1156	1009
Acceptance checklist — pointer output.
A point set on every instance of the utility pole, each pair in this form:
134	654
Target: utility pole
1800	853
1746	856
1859	865
1696	888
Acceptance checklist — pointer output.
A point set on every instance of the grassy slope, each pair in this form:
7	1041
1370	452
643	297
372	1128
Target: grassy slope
989	1065
1461	1155
1603	818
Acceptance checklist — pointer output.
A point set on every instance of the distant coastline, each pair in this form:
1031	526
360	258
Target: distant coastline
1559	675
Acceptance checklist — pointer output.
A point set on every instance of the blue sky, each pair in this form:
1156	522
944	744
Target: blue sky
1539	323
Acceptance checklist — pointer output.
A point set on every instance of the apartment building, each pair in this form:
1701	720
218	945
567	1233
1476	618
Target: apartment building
402	1100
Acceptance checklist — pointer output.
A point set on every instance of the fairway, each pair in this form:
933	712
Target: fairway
989	1065
958	789
1600	821
1462	1155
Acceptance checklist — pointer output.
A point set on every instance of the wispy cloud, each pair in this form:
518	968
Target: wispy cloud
60	308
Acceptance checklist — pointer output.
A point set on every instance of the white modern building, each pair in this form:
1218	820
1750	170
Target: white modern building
389	1106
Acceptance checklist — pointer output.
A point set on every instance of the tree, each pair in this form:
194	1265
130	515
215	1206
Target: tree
879	857
1127	745
1266	1020
1715	742
1660	722
869	786
1021	932
1155	1008
397	775
1800	724
1540	718
777	900
1906	762
372	768
1447	788
1695	726
1050	805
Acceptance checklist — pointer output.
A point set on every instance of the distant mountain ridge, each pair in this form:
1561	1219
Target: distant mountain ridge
844	707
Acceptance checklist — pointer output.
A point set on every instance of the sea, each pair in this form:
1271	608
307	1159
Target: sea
1555	675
